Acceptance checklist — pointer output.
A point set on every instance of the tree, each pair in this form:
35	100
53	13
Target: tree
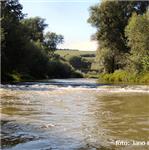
35	61
35	27
11	9
11	40
79	63
19	54
137	32
23	47
110	19
52	40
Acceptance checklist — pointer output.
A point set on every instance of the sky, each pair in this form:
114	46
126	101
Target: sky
66	17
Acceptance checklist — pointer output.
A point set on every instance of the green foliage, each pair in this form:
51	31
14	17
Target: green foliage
61	69
110	18
91	75
76	74
13	41
137	32
67	54
121	76
17	47
2	34
145	62
36	63
79	63
144	77
24	55
52	40
11	11
86	58
15	76
34	28
109	60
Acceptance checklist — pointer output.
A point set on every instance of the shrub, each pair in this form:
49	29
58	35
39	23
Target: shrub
79	63
144	78
120	76
61	69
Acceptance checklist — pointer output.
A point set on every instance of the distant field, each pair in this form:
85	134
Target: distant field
89	55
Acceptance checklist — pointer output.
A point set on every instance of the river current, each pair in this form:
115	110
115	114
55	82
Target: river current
74	114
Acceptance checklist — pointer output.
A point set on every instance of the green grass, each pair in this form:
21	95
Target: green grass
16	77
67	54
96	76
121	76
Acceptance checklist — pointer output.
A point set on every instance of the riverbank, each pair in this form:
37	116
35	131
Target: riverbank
16	78
120	76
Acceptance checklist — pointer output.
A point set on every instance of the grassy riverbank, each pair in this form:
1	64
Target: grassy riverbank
66	54
121	76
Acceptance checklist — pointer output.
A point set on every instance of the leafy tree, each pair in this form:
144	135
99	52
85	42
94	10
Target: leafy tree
35	27
110	19
11	40
11	11
2	37
19	54
79	63
23	47
35	61
52	40
137	32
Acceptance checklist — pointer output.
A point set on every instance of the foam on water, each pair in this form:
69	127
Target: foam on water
75	84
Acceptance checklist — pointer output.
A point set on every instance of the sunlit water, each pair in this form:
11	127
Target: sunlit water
75	114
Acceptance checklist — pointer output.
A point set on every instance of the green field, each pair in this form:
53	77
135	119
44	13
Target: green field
89	55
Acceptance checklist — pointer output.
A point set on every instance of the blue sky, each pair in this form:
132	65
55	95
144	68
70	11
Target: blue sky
66	17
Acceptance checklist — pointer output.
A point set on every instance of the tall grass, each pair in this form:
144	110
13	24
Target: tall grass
121	76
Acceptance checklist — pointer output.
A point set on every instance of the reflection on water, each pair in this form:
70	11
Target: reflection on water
73	114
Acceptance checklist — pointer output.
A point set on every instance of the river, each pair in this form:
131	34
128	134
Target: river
74	114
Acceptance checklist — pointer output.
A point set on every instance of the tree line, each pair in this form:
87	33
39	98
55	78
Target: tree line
123	37
27	53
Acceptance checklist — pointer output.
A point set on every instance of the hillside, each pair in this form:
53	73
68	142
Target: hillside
85	59
89	55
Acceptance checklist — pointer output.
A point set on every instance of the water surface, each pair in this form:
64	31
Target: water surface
73	114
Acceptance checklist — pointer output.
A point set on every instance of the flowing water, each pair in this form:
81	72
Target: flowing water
74	114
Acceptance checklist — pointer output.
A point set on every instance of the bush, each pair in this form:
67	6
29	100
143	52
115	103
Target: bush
35	61
120	76
79	63
14	76
144	78
76	74
61	69
137	34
